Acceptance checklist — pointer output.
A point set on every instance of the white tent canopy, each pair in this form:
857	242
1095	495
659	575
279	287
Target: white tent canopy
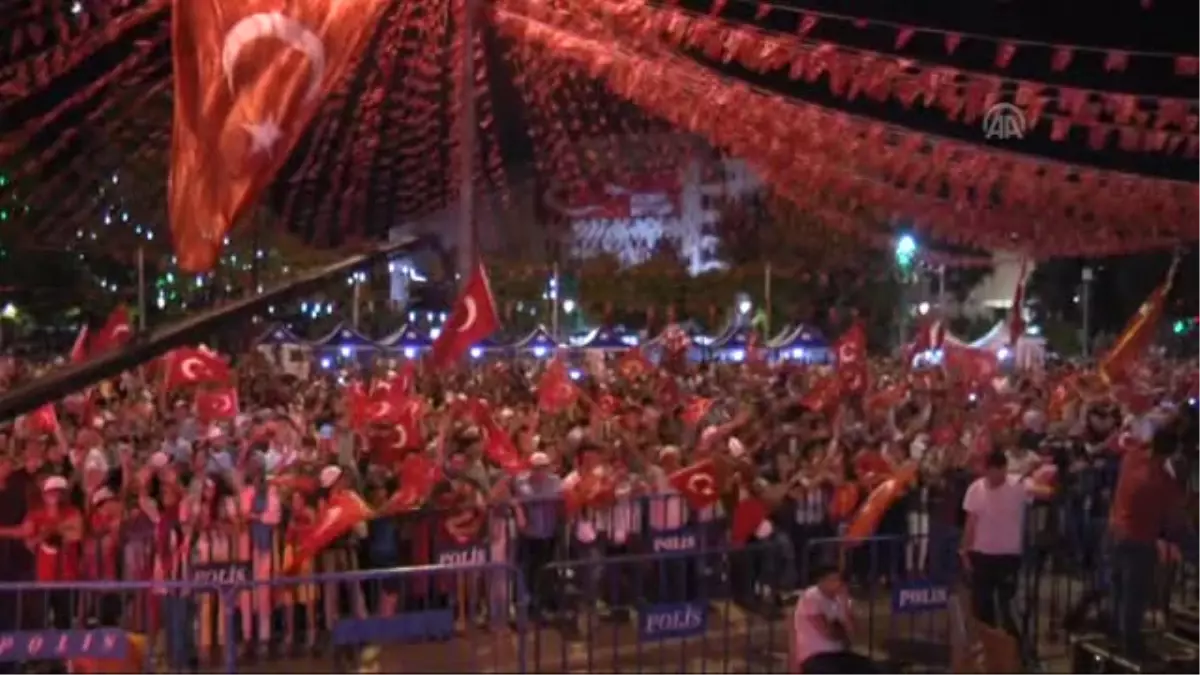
1030	352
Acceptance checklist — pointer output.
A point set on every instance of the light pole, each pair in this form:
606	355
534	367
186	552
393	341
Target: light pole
1086	300
906	253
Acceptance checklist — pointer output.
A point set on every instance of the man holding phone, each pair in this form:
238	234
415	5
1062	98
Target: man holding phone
822	627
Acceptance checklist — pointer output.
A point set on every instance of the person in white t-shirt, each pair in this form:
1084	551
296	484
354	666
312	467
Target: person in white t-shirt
822	627
993	541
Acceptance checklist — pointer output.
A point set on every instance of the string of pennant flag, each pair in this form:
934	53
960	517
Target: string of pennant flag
1138	122
1061	55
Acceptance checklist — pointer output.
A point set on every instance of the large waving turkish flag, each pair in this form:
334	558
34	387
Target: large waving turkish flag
249	75
473	319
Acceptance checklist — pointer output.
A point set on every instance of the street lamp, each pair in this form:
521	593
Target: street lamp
906	250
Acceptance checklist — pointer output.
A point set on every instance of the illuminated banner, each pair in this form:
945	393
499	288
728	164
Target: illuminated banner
61	645
643	196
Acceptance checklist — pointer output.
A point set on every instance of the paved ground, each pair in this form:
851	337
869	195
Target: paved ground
736	641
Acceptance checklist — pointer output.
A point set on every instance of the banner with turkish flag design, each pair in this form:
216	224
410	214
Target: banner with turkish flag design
851	354
698	483
217	404
473	320
194	365
343	511
249	76
555	389
116	332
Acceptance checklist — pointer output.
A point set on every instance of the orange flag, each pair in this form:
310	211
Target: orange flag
1139	332
249	75
344	510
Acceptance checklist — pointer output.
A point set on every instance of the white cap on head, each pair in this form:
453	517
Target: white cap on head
330	475
668	450
100	496
539	460
159	460
54	483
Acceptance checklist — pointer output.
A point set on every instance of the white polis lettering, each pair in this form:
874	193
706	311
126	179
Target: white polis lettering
934	596
675	543
221	574
680	620
34	645
468	556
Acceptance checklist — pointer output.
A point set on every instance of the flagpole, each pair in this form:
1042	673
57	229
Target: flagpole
467	240
141	294
554	303
767	302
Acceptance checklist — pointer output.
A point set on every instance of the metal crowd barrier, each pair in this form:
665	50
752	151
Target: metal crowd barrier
202	624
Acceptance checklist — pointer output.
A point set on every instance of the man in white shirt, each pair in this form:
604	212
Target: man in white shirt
993	541
822	627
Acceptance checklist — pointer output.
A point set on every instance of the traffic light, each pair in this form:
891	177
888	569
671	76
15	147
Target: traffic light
1179	327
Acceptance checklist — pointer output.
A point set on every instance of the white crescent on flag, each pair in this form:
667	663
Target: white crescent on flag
471	314
193	368
701	484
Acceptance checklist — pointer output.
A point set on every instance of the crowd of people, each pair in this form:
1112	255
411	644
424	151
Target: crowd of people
136	481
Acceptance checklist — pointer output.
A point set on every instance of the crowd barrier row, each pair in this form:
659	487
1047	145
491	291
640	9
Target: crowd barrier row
643	571
694	610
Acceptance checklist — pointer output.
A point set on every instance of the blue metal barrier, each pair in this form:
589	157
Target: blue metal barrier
64	621
681	612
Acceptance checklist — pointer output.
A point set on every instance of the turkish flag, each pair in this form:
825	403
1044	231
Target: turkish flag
44	420
343	511
497	445
473	320
249	75
594	488
696	410
698	484
822	394
217	404
633	364
1016	322
418	474
976	366
116	332
193	365
851	351
79	349
555	389
747	516
1138	333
